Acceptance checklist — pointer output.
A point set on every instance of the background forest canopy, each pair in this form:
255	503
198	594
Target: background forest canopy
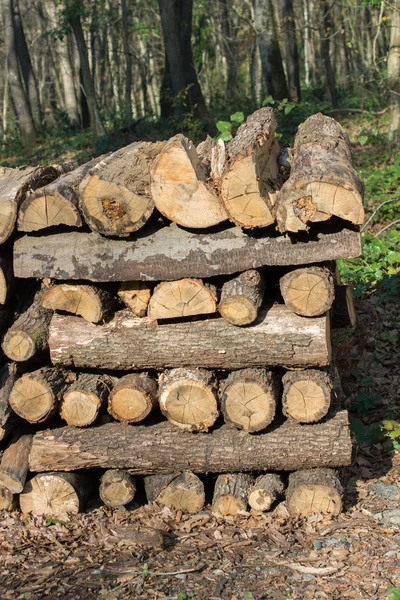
150	69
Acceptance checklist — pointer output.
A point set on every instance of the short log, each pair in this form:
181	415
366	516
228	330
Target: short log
309	291
55	494
6	276
182	491
14	465
182	298
343	309
7	499
133	398
85	399
265	491
135	295
93	303
314	491
117	487
242	297
230	494
306	395
8	375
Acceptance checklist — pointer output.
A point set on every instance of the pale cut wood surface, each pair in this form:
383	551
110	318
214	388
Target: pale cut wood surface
92	303
135	295
306	395
54	494
242	297
314	491
308	291
182	298
14	463
182	491
133	398
230	494
8	375
265	491
117	487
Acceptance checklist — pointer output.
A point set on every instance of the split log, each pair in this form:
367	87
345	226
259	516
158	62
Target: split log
14	465
277	338
179	187
56	203
172	253
182	491
309	291
182	298
7	499
163	448
28	335
6	277
8	375
306	395
249	398
15	184
35	396
115	195
117	487
314	491
94	304
133	398
251	173
188	398
265	491
135	295
343	309
85	399
241	298
230	494
55	494
323	182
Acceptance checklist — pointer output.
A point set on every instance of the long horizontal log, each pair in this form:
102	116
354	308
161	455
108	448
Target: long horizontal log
277	337
163	448
173	253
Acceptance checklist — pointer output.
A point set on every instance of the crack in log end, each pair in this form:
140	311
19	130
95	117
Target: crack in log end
113	209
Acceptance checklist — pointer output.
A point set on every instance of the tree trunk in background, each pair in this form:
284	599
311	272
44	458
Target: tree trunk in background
292	55
19	98
229	50
268	46
326	34
128	62
394	74
176	23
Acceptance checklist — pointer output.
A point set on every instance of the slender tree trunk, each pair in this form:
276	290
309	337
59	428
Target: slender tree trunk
394	74
19	98
326	34
292	55
229	50
128	64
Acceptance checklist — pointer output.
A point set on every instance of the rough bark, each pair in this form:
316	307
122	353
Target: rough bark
7	499
265	491
133	398
278	337
35	396
314	491
249	398
115	195
8	375
14	465
323	182
93	303
292	55
309	292
172	253
251	174
136	296
182	491
182	298
306	395
393	67
163	448
242	297
179	187
117	487
187	398
230	494
55	494
6	276
85	399
343	309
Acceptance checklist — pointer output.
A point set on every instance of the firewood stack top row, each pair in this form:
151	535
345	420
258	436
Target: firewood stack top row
168	315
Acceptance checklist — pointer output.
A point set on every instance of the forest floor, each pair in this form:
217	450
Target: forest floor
258	556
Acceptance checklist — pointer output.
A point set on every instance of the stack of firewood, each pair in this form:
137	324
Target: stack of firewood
180	323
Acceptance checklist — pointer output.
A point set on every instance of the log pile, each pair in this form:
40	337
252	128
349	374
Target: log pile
145	345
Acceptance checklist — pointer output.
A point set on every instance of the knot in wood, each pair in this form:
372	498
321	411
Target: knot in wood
113	209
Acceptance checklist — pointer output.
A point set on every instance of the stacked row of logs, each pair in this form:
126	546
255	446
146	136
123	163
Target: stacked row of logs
172	354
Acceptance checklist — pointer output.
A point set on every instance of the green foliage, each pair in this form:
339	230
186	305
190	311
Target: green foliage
145	570
49	522
185	596
394	593
228	129
365	401
366	434
248	596
392	431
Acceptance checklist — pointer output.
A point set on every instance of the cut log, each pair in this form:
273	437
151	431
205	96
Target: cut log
230	494
251	174
314	491
7	499
133	398
8	375
249	398
55	494
182	491
28	336
85	399
188	398
241	298
94	304
6	277
15	184
115	195
14	465
309	291
117	487
277	338
163	448
323	182
56	203
265	491
182	298
172	253
343	309
306	395
135	295
35	396
179	187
